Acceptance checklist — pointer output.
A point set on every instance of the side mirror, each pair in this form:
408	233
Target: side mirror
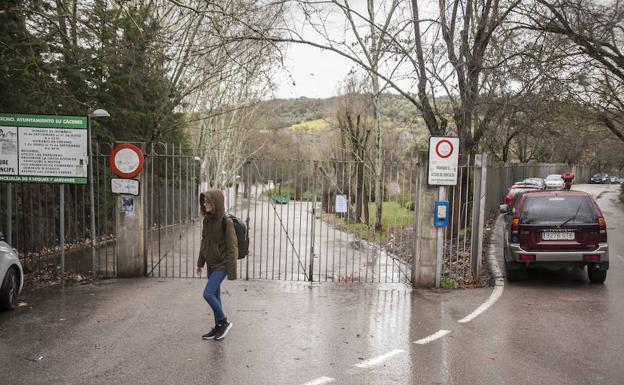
504	209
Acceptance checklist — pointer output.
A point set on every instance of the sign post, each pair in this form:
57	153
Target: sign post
442	172
62	231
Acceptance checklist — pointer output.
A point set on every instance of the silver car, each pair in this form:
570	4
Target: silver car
554	182
11	276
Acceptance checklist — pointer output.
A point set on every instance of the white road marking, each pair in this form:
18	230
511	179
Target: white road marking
433	337
498	291
320	381
377	360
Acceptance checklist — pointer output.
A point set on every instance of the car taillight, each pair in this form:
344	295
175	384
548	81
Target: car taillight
515	225
602	225
508	200
591	257
526	257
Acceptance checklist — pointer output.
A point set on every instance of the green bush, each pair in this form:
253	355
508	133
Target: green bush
292	194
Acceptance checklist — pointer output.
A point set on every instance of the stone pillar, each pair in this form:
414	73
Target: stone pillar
424	263
130	229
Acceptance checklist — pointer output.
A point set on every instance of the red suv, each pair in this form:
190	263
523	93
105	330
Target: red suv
555	229
518	188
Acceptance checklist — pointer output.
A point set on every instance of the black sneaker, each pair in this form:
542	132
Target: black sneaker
223	329
211	334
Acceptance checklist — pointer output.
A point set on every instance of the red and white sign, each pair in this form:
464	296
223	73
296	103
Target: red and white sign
127	160
443	160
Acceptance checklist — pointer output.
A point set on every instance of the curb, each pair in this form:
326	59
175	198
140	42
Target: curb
498	277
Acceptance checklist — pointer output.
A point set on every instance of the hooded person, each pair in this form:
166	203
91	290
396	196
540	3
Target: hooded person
218	251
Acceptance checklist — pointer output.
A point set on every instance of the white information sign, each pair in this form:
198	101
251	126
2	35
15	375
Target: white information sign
43	148
443	160
125	186
8	150
341	203
53	152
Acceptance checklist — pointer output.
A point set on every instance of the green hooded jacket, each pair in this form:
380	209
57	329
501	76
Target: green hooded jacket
219	249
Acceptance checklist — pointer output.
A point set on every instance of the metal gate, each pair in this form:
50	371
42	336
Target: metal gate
299	229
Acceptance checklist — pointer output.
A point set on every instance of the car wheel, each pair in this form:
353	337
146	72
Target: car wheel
8	291
596	275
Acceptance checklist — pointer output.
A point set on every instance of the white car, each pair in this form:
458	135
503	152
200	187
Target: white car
11	276
554	182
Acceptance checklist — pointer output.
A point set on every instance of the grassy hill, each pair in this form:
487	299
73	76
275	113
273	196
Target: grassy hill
301	127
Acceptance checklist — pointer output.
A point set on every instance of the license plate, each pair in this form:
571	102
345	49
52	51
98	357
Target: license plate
558	235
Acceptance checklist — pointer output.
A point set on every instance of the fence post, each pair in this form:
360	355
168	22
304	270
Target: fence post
9	213
62	231
424	258
478	213
312	229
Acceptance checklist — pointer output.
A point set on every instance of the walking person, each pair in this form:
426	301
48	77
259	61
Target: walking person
218	251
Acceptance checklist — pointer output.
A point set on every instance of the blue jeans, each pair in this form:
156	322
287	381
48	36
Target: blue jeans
212	293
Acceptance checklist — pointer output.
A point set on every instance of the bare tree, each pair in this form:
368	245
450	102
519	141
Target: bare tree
354	113
594	35
225	77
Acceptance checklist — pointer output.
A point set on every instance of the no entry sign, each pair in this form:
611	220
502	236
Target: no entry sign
127	160
443	160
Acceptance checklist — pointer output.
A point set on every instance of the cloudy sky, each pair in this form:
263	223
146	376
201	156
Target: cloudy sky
312	72
315	73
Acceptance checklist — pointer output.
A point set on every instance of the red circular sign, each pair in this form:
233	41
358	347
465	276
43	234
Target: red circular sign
438	148
127	160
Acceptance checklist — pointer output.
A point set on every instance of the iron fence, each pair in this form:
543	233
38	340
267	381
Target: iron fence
308	220
170	183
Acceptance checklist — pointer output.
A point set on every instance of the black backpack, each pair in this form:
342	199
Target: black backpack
241	235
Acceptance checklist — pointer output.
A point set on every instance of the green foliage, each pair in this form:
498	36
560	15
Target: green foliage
310	125
405	201
393	214
446	283
102	58
292	193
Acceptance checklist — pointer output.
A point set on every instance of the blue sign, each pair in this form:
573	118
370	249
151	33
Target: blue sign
440	214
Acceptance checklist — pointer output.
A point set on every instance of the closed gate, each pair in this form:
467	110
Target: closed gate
313	220
307	220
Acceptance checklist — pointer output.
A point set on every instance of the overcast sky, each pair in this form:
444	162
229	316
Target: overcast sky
315	73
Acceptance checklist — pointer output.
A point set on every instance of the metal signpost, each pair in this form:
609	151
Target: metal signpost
443	166
45	149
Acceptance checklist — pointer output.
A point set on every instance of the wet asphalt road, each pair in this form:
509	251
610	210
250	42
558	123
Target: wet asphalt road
549	328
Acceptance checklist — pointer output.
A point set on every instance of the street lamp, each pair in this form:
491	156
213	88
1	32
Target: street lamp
99	113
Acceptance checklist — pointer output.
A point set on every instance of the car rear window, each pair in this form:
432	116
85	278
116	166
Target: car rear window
557	209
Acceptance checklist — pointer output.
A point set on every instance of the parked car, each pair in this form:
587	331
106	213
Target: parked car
11	274
539	182
614	179
600	178
554	182
555	229
518	189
